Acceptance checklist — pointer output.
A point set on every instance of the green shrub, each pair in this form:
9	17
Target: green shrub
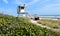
12	26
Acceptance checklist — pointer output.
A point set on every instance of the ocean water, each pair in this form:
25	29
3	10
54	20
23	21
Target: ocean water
49	16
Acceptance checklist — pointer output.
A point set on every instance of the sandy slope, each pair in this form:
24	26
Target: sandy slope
35	22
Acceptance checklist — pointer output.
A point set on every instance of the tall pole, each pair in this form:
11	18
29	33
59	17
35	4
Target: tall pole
18	8
19	2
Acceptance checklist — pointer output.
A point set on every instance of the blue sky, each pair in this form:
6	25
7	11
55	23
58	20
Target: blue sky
41	7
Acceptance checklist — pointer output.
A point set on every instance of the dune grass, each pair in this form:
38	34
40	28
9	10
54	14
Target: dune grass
13	26
50	23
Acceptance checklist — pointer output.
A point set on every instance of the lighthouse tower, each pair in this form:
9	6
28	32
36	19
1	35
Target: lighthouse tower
21	10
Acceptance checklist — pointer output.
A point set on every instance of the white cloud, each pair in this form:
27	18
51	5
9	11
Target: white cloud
5	1
53	9
17	2
30	3
0	10
36	1
33	2
6	10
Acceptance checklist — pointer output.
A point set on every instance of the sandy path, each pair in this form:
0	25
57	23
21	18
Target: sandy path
35	22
